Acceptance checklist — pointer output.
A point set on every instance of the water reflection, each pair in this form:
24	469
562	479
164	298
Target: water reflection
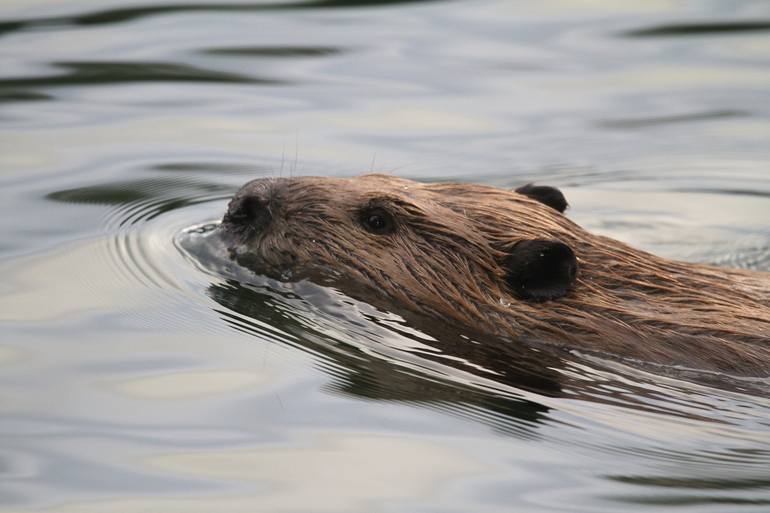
276	314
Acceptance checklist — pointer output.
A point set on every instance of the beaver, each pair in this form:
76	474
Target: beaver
507	263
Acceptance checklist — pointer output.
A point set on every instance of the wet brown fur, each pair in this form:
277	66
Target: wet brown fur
443	262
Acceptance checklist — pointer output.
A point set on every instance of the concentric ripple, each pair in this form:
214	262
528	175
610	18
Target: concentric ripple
138	230
132	259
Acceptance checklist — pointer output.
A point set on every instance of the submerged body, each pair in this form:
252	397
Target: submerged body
503	263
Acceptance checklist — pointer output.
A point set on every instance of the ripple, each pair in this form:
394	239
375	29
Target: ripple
695	483
276	51
696	29
22	96
218	168
107	73
132	237
144	199
127	14
722	190
673	119
755	257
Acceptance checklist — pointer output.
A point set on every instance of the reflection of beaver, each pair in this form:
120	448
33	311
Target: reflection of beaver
507	263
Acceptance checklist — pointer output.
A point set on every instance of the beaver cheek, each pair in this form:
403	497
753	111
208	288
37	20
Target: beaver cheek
540	270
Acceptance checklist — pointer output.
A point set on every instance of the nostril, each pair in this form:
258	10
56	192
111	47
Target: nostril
249	210
252	207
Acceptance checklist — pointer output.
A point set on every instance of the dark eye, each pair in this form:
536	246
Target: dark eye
377	221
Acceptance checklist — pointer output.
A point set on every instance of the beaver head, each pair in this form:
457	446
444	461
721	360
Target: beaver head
504	262
423	245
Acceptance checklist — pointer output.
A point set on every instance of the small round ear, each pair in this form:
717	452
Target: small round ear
539	270
545	194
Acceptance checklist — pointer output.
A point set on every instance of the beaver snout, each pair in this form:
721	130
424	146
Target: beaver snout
250	211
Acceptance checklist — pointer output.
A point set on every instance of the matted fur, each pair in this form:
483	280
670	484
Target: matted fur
443	262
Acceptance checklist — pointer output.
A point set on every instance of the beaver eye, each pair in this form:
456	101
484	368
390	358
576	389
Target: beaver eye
377	221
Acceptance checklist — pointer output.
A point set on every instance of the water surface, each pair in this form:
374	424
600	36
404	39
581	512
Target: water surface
135	379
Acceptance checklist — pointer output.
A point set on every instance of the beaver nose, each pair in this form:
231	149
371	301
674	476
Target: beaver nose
250	209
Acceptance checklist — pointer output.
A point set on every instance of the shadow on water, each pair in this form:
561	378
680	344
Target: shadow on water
125	14
695	29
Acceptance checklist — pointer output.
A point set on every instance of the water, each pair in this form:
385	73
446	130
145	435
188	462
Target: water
135	379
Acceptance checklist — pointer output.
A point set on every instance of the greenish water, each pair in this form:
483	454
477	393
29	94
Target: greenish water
133	378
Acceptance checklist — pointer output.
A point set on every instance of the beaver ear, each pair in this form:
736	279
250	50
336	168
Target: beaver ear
550	196
540	270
